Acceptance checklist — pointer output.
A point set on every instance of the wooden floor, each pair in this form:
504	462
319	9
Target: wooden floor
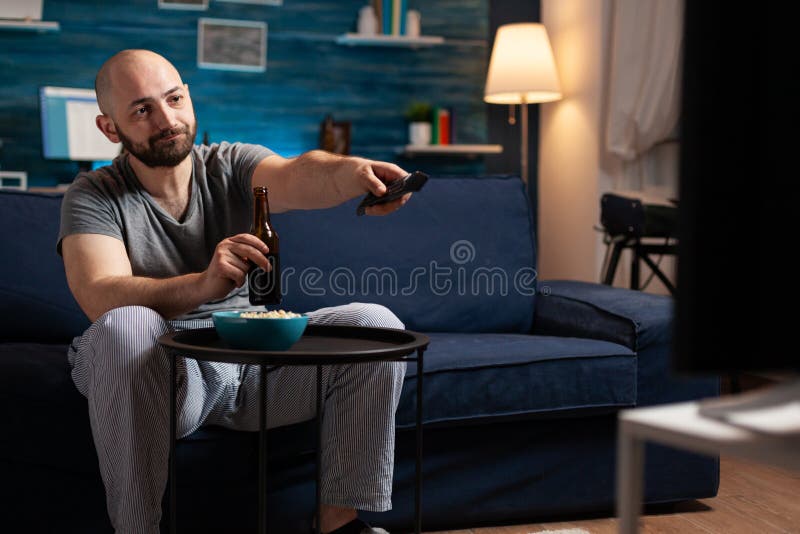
752	499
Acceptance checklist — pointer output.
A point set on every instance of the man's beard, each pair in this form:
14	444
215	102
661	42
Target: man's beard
164	153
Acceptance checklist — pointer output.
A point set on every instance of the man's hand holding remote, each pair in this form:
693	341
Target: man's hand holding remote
394	190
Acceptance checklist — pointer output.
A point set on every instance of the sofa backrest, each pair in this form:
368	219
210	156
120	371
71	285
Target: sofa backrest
35	302
459	257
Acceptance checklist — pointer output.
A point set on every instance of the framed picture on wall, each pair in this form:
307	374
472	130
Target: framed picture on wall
334	136
198	5
226	44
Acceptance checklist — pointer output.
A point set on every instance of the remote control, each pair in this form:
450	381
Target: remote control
394	190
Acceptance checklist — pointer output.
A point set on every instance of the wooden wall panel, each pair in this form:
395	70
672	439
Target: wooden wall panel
308	76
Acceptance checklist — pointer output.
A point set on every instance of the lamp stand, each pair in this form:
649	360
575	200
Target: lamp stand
523	149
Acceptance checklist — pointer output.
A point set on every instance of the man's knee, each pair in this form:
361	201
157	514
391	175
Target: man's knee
132	323
376	315
126	336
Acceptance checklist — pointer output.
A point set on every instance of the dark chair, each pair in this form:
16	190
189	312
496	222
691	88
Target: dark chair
626	222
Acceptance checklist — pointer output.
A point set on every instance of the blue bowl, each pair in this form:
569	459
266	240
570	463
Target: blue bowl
258	333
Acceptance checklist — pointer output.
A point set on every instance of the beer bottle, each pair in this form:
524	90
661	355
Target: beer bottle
264	287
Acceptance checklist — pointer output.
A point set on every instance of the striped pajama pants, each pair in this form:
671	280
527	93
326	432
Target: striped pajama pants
124	373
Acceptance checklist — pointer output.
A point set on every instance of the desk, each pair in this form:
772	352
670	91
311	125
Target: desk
681	425
320	345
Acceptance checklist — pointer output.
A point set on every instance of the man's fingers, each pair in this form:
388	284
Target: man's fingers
232	274
379	173
236	276
389	207
251	240
387	171
375	186
239	263
251	253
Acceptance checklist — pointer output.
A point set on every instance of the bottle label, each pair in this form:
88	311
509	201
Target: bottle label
264	287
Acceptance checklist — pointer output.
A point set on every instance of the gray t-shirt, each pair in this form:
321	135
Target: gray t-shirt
111	201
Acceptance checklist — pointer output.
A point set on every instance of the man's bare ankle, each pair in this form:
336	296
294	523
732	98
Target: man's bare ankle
334	517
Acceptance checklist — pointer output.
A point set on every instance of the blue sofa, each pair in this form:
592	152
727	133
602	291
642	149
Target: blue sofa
523	377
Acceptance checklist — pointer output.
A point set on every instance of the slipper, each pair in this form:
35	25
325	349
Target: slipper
357	526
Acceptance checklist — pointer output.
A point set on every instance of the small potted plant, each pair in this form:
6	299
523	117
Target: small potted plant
418	115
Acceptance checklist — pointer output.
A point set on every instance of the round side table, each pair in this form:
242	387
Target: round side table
320	345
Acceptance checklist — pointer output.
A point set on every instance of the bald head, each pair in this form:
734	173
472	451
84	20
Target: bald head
125	67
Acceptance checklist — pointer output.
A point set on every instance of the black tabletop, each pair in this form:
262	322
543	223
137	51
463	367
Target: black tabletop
320	345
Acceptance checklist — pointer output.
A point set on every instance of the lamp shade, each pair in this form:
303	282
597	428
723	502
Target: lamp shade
522	68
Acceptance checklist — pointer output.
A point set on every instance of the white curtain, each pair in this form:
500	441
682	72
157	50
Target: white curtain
643	95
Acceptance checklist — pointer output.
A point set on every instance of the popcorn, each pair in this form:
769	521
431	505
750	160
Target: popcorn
275	314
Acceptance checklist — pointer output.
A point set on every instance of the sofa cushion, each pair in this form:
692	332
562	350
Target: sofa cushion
47	421
470	377
35	302
458	258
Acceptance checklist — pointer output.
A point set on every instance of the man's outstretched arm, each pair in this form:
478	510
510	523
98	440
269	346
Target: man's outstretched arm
100	277
319	179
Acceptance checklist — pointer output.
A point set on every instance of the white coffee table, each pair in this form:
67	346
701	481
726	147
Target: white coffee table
682	425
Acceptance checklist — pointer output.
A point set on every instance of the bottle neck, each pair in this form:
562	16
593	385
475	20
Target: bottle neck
261	211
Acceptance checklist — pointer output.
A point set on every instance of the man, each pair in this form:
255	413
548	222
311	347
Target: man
158	239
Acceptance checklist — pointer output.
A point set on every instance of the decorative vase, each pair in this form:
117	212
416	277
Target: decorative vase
412	23
367	21
419	133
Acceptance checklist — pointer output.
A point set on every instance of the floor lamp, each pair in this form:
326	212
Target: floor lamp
522	71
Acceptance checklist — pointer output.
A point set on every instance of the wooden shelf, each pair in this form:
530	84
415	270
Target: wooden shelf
29	25
356	39
450	150
60	188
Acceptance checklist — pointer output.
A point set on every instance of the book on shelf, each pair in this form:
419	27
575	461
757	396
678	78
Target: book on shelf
391	16
387	16
396	15
377	6
444	126
441	126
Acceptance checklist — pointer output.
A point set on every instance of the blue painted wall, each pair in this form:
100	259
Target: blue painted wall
308	75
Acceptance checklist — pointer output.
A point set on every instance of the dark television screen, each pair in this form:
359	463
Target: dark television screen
739	159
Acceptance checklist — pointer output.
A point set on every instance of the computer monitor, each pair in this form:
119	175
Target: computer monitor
68	127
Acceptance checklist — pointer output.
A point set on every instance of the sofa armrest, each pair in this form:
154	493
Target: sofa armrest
587	310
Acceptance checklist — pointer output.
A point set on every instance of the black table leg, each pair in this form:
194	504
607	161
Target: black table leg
262	453
318	525
172	423
418	472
